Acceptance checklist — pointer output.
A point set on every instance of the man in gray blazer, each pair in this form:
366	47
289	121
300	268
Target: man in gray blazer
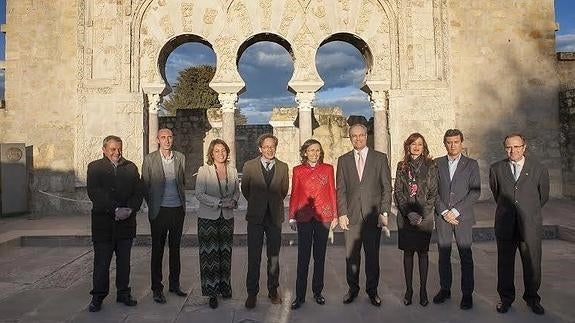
163	176
363	201
520	186
459	189
265	183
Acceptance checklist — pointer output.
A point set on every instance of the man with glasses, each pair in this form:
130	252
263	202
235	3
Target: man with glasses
265	184
520	186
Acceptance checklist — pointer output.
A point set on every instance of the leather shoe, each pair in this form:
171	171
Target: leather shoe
275	298
297	303
502	307
251	301
319	299
423	300
95	305
466	302
127	300
159	297
407	297
349	297
375	300
213	302
536	308
227	296
442	296
178	292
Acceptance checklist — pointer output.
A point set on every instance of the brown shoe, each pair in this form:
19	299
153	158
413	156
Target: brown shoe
275	298
251	301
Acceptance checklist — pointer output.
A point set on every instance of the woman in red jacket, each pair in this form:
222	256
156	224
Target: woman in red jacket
312	209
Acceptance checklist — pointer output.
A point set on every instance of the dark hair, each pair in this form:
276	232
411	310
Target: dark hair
266	136
111	138
215	142
406	155
304	148
452	133
515	134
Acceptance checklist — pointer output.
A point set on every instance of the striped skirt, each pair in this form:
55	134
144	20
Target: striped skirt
215	238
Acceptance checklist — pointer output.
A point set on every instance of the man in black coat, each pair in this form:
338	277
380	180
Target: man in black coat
114	188
520	186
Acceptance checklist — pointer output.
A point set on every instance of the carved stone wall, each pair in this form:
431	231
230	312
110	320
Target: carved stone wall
77	71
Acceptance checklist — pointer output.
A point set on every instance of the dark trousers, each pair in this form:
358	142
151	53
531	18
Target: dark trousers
368	236
103	251
255	244
463	239
169	223
310	233
531	259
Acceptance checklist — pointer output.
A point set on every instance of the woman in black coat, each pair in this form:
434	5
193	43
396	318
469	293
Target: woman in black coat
415	192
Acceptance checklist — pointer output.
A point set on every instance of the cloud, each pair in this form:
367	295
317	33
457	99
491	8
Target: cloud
565	43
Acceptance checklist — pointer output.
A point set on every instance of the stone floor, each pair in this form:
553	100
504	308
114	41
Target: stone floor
51	284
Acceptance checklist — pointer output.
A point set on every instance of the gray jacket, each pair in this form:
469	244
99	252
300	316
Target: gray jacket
154	180
208	192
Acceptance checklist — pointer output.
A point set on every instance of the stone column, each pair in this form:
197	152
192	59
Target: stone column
304	100
154	100
228	102
380	105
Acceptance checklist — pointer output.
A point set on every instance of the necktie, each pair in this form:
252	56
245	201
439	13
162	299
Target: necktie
268	166
360	165
515	172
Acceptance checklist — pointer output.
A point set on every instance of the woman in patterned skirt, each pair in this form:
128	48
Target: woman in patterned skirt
312	208
415	192
217	190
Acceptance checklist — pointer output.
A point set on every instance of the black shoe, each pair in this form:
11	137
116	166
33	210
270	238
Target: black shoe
127	300
319	299
423	298
502	307
375	300
349	297
536	308
178	292
407	297
95	305
441	296
226	296
213	302
159	297
251	301
297	302
466	302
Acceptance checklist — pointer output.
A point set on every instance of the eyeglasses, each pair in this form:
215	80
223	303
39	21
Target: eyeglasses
514	147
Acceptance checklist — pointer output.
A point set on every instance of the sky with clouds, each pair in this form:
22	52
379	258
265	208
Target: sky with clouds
267	67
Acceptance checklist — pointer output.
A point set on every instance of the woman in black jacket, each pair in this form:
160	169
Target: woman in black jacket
415	192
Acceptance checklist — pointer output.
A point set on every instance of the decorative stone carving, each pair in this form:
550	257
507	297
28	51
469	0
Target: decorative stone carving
266	18
210	15
166	25
228	101
241	18
187	10
304	100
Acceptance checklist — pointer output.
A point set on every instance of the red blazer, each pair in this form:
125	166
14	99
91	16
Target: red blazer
313	193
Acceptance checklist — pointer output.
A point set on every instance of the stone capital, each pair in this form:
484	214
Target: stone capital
379	100
304	100
154	102
228	101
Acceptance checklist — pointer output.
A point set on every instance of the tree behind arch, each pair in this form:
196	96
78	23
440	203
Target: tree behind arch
192	91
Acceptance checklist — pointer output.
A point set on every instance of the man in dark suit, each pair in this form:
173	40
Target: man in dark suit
265	184
459	189
114	187
520	186
163	177
363	201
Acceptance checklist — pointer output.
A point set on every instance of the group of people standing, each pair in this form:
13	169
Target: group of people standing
429	194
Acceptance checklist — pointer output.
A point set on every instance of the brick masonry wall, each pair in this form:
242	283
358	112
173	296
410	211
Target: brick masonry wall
567	124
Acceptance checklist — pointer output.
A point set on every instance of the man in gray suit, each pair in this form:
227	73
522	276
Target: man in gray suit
520	186
459	189
363	201
163	176
265	183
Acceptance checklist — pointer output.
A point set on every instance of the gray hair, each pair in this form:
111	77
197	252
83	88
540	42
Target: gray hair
111	138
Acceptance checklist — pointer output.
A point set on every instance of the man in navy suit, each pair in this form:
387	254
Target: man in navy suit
459	188
520	186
